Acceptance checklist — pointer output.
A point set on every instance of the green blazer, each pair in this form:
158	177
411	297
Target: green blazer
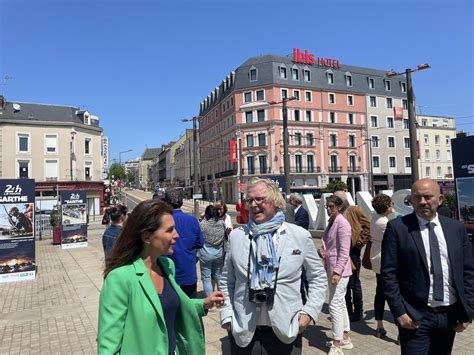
131	319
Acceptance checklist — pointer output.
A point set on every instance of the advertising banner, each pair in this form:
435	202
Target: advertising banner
73	219
17	230
233	151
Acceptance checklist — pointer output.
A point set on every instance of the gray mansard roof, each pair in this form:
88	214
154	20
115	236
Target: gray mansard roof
21	111
267	67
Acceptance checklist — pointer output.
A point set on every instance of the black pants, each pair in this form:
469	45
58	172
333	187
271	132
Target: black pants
434	335
190	290
379	301
266	342
354	301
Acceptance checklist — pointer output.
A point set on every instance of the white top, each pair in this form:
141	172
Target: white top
378	224
449	292
228	222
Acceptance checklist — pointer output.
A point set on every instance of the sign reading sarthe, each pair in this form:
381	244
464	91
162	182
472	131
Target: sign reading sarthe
307	58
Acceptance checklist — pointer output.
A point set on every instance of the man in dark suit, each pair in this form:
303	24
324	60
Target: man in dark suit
301	215
428	274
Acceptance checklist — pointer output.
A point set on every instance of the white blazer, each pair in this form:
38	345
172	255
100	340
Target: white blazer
378	224
296	249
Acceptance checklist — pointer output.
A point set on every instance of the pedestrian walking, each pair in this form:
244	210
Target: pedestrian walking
117	215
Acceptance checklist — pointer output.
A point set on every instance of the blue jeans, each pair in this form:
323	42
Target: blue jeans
212	260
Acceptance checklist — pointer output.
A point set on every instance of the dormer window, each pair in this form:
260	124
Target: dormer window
371	82
403	86
388	85
348	78
307	75
253	74
295	74
330	77
282	70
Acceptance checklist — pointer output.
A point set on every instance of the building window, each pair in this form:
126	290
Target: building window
450	171
262	164
448	140
332	117
427	154
333	163
51	143
351	141
284	94
332	98
375	141
295	74
282	72
297	115
248	117
332	140
87	146
348	79
350	100
330	77
51	170
428	171
435	123
251	165
376	162
352	163
407	162
373	101
23	142
405	104
23	167
438	154
403	86
406	142
350	118
438	172
262	139
373	121
424	123
390	122
309	139
307	96
310	163
391	142
426	139
261	115
437	140
307	75
299	163
249	140
298	138
248	97
260	95
388	85
406	124
389	102
371	83
392	162
253	74
296	93
308	115
448	155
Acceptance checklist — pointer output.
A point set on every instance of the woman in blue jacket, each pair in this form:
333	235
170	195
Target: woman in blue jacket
142	310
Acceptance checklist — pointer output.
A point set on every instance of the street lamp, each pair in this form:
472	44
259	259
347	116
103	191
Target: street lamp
415	174
71	151
196	167
286	156
120	155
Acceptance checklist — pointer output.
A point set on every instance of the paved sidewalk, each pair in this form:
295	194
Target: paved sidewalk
57	312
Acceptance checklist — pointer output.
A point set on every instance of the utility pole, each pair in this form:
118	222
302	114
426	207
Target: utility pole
196	167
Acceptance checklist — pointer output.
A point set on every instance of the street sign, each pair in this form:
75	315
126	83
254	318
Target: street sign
197	196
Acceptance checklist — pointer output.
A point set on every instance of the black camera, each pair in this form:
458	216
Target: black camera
266	295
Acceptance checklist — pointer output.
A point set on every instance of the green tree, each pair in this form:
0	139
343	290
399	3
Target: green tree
450	199
118	171
130	176
335	185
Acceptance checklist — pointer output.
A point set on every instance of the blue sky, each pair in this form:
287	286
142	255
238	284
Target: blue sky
142	65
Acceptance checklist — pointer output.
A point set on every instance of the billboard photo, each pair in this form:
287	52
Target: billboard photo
465	195
74	219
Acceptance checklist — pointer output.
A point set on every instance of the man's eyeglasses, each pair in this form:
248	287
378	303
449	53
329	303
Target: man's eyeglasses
258	200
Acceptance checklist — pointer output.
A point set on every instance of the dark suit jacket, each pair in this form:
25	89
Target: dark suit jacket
302	218
404	271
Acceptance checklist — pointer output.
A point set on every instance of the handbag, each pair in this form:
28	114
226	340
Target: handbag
366	257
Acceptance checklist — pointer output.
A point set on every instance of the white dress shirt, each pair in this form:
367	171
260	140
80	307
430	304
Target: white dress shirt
449	292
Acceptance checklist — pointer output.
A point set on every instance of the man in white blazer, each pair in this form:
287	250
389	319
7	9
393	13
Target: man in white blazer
264	312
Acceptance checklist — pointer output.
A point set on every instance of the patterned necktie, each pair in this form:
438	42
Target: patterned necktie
436	269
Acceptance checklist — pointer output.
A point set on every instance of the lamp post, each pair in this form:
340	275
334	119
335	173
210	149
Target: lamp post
286	156
120	155
71	151
415	174
196	167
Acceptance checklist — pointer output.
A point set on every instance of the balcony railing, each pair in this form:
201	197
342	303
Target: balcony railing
354	169
256	171
335	169
302	170
226	173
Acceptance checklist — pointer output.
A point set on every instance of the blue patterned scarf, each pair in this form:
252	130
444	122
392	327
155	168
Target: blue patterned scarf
265	259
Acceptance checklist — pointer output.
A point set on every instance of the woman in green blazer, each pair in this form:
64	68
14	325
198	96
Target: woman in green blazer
142	310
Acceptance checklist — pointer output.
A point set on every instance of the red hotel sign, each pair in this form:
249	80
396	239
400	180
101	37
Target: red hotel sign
307	58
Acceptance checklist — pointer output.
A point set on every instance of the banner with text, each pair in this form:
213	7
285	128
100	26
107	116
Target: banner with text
17	230
73	219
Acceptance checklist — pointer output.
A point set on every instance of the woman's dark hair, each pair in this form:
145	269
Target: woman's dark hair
334	199
210	212
221	204
381	203
116	212
145	217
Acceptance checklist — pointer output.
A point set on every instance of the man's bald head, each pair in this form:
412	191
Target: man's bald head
425	198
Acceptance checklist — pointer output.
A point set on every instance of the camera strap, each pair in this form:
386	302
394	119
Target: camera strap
248	266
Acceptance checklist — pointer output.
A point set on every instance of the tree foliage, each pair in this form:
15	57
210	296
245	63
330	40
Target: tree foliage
335	185
117	171
450	199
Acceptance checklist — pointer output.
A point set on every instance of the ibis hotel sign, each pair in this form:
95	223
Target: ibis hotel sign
304	57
